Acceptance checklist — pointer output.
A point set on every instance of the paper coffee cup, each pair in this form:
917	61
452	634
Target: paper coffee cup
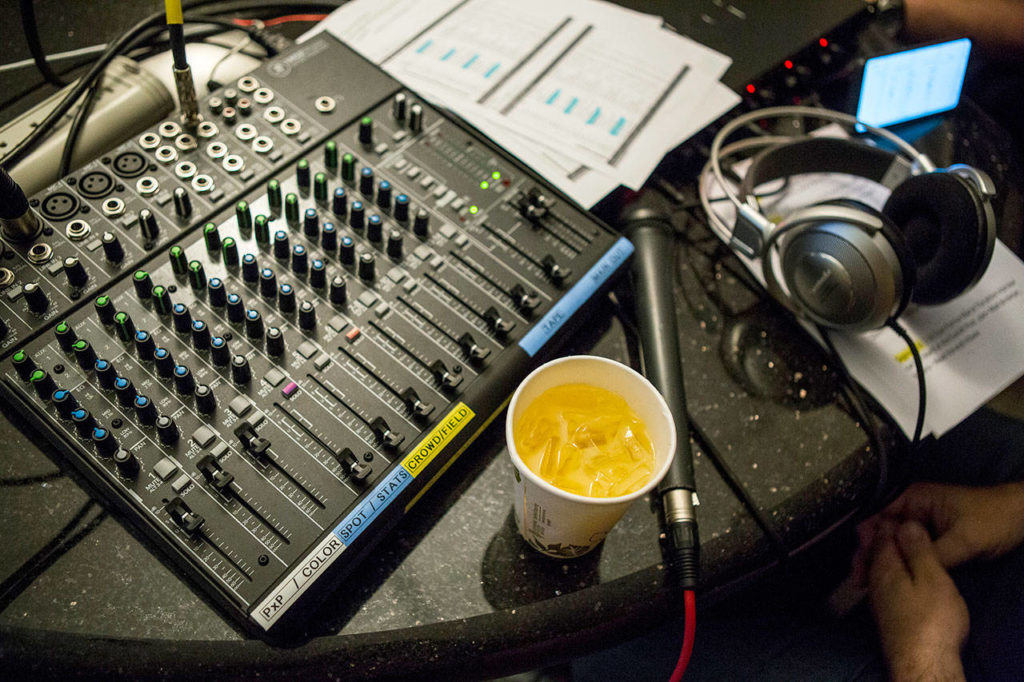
563	524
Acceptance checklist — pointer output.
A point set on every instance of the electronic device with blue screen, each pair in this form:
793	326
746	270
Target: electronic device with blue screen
907	85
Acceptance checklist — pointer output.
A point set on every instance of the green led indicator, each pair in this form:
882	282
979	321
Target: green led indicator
496	175
473	209
484	184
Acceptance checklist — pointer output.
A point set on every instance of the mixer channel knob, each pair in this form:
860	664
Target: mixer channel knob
302	174
105	373
339	290
230	115
164	362
348	167
398	107
274	195
253	324
236	308
161	300
125	391
200	335
476	352
300	261
35	297
339	203
66	336
206	401
318	274
307	315
420	410
401	212
500	326
196	275
421	223
127	463
374	228
395	244
366	131
216	293
143	284
43	383
366	181
286	298
145	410
182	318
262	230
275	342
291	208
64	401
243	217
311	223
183	379
104	441
329	238
229	252
211	236
331	156
240	371
144	345
268	283
148	227
219	354
320	188
182	203
416	118
250	268
367	266
83	421
444	376
384	195
85	354
112	248
23	364
356	214
105	309
347	250
124	326
166	430
281	245
75	272
179	261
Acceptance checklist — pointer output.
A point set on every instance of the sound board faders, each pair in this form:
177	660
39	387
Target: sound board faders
270	378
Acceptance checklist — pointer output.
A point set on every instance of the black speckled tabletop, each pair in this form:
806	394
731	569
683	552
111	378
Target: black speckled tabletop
455	583
454	589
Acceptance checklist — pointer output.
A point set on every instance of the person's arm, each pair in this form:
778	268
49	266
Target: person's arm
995	26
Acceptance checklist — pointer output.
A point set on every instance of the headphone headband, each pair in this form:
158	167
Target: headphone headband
824	155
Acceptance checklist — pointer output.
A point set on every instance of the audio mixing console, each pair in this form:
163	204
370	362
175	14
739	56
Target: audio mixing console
263	341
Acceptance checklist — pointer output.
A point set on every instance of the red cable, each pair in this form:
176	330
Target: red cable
283	20
690	601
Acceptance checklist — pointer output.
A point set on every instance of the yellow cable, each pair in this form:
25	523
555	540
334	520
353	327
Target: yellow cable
174	13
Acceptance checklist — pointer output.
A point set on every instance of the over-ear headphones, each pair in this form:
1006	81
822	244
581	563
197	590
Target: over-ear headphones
842	263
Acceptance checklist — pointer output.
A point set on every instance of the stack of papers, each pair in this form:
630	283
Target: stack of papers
589	94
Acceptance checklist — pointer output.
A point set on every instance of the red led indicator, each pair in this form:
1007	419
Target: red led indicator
751	89
823	42
788	64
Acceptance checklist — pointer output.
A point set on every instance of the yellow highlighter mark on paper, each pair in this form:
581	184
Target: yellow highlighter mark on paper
905	354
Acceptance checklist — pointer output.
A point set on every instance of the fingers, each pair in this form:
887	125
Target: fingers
887	568
918	553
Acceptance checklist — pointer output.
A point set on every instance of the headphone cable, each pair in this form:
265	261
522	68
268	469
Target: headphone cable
921	388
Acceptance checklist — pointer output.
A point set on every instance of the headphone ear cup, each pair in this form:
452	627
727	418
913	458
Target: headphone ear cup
945	225
842	266
895	239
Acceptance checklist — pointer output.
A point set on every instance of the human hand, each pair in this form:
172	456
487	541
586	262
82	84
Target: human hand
922	619
965	523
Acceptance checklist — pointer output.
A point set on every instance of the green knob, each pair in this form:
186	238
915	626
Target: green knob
162	300
274	195
211	236
348	168
179	262
320	187
196	275
243	216
262	230
291	208
331	155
